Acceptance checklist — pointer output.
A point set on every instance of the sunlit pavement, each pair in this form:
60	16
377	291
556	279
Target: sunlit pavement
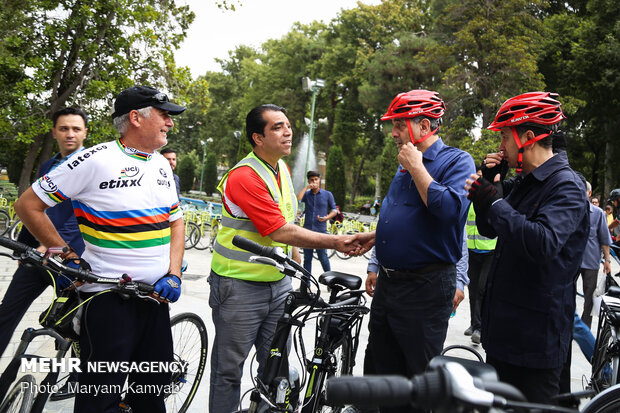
195	297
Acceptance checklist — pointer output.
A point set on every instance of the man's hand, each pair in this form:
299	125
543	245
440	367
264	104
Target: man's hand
607	267
363	242
168	288
458	297
64	281
320	218
371	282
410	157
483	193
347	244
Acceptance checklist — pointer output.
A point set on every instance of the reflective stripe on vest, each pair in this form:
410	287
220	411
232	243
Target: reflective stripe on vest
475	241
230	261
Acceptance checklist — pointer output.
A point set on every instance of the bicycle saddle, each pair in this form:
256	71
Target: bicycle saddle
335	278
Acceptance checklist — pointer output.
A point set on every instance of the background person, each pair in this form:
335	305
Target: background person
69	129
598	239
542	227
320	207
129	216
171	156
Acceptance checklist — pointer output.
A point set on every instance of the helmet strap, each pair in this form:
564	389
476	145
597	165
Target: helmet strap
423	138
519	168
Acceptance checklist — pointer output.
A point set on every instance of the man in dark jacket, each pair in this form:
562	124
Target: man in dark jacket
69	130
542	226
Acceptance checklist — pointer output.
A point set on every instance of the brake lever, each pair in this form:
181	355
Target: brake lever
267	261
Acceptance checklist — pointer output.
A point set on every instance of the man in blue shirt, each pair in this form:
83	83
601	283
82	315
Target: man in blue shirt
320	207
69	130
599	239
418	241
542	226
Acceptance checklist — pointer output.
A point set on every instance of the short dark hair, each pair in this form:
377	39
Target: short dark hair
255	123
74	110
434	123
312	174
167	150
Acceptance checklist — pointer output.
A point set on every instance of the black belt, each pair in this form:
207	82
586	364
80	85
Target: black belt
418	273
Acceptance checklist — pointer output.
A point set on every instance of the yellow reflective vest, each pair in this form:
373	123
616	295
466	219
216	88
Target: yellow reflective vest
230	261
475	241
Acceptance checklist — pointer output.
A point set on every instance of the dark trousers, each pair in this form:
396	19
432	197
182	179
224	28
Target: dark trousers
479	265
588	278
27	284
117	329
408	322
538	385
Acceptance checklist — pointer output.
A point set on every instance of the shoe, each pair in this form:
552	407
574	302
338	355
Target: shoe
475	337
469	331
66	391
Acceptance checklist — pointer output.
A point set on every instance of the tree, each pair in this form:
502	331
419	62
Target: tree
210	174
389	163
186	171
83	53
335	180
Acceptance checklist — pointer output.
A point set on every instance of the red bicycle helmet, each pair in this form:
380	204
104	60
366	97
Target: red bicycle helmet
534	108
540	108
418	102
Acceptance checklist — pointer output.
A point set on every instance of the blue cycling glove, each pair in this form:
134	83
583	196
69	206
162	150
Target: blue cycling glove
64	281
168	287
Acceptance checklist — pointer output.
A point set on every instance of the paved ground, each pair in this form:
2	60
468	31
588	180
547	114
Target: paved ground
195	299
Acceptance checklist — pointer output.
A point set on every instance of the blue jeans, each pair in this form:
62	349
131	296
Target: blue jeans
323	259
245	314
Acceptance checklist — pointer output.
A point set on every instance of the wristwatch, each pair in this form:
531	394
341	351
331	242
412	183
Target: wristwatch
608	259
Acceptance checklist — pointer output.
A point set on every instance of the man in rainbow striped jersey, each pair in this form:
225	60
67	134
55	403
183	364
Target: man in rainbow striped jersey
124	198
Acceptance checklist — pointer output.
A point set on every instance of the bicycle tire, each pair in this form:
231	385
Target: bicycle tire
15	229
214	231
190	345
21	396
5	222
341	365
192	235
330	253
607	401
602	378
204	241
342	255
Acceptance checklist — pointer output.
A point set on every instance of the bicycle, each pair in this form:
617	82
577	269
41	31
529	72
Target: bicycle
336	337
453	385
190	340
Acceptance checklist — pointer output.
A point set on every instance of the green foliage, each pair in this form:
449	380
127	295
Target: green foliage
389	163
186	169
210	174
335	180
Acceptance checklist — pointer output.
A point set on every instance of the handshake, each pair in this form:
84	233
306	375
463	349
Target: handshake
355	244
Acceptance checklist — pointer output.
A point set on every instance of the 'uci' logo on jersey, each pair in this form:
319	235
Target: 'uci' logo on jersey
129	171
47	185
163	173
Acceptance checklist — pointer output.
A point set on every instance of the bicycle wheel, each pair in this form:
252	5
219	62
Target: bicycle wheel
604	363
15	229
192	235
605	402
21	396
340	363
190	344
204	241
5	222
214	230
342	255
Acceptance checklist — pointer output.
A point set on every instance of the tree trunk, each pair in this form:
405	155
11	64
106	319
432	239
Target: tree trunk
25	178
357	178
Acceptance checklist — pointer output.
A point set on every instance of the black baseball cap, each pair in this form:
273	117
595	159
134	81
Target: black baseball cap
139	97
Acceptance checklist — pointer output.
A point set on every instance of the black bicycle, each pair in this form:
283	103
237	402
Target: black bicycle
338	323
189	334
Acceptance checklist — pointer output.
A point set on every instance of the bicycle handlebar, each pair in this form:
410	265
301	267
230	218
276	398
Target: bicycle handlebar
444	387
30	255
